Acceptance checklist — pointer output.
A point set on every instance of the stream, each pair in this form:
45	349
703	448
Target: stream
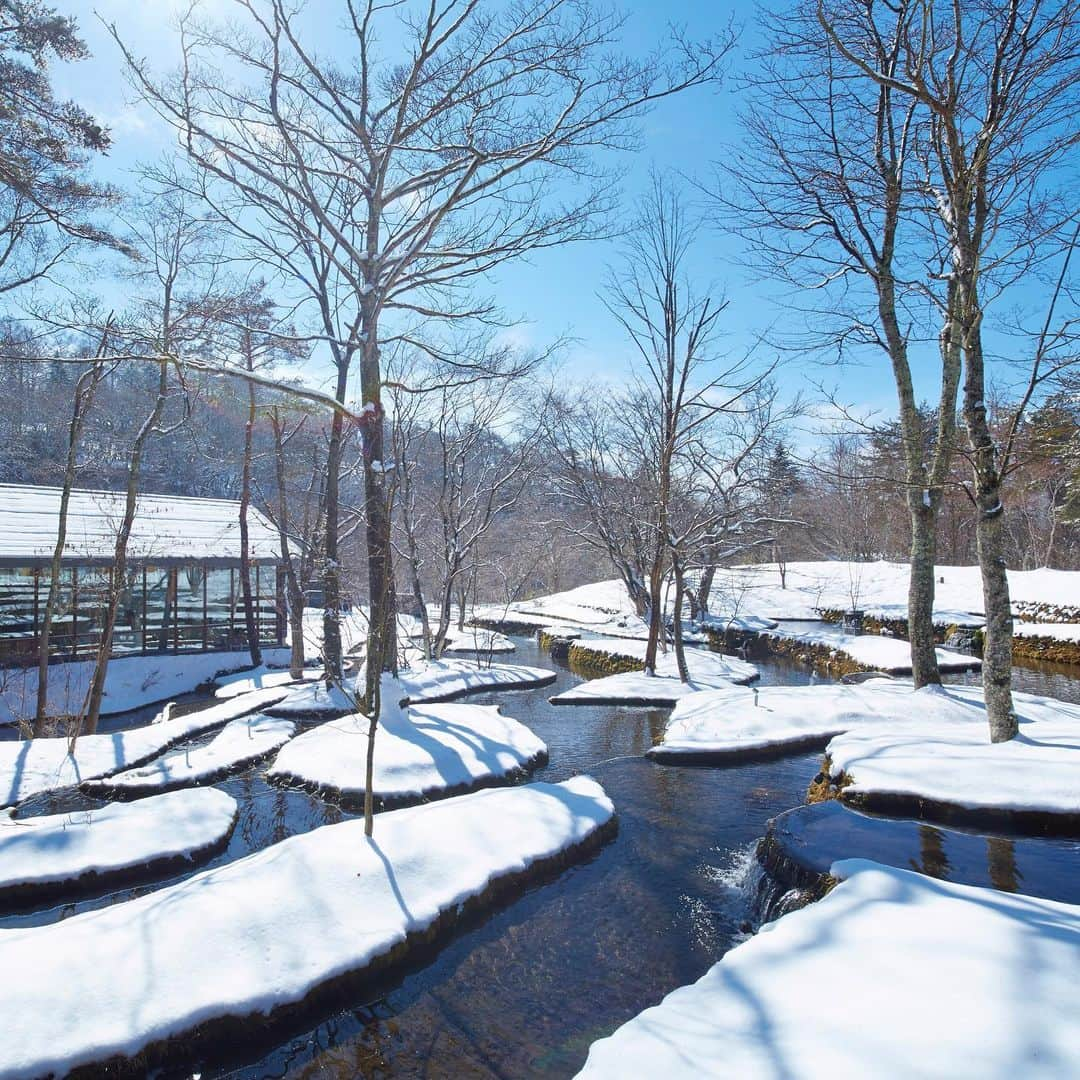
524	990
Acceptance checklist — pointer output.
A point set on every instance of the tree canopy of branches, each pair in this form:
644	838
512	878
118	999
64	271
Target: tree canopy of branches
44	143
384	186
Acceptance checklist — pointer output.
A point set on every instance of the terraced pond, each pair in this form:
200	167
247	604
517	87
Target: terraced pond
523	991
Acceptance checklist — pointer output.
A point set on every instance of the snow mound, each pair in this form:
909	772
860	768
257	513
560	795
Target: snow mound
874	651
244	682
130	683
708	670
928	979
35	766
120	837
265	931
423	751
947	757
425	681
240	743
736	720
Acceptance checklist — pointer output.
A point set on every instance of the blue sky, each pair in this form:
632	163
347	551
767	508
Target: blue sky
556	293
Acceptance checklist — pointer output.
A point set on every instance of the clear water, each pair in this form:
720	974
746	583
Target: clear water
524	990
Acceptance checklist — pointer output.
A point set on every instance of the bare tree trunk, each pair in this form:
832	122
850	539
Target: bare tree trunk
251	621
680	651
989	533
704	589
656	615
85	387
924	668
293	592
382	625
92	710
331	568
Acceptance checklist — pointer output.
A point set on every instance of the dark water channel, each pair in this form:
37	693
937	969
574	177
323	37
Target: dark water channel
523	991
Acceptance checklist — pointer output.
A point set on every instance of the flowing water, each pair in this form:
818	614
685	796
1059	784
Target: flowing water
524	990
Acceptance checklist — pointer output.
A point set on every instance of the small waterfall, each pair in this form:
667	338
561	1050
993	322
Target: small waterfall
757	896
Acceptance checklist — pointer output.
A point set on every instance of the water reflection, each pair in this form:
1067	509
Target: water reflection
525	990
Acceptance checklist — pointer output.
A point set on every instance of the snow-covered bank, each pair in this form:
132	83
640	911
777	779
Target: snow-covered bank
424	681
423	751
603	607
708	670
945	766
802	592
131	683
801	845
34	766
920	752
472	639
240	743
57	855
262	678
736	721
868	652
266	932
891	975
880	589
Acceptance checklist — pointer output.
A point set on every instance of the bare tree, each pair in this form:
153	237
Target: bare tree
828	192
683	389
996	86
383	188
175	312
82	400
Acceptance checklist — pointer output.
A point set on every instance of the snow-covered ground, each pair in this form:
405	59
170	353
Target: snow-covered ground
603	607
34	766
470	640
1054	631
420	751
131	683
933	743
874	651
946	755
892	975
737	720
879	588
244	682
65	848
240	743
708	670
424	681
263	932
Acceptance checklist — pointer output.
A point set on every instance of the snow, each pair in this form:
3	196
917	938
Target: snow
421	751
244	682
603	607
1053	631
119	837
240	743
878	588
754	592
888	737
946	756
165	526
424	681
874	651
265	931
470	640
892	975
131	682
34	766
737	720
708	670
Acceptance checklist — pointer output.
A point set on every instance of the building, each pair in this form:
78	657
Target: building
181	591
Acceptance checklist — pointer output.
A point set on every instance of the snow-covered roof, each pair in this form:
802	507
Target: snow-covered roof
167	528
